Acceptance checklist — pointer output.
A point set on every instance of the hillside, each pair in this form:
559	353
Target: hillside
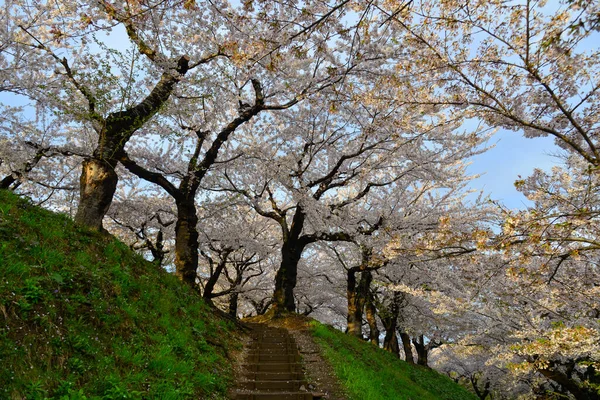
370	373
361	371
81	316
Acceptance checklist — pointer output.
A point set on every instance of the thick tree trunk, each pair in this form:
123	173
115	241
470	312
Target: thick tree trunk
422	350
286	277
407	347
363	292
357	298
390	324
98	183
354	318
390	341
371	313
186	242
233	304
291	252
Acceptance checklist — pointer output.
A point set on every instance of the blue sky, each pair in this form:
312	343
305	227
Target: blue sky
512	155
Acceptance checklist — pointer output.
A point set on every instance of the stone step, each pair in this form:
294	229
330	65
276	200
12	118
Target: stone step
273	367
274	376
270	386
268	343
275	345
272	358
273	350
274	396
272	340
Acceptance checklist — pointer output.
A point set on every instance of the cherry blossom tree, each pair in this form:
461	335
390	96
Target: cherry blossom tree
144	217
529	67
236	246
311	157
69	64
33	161
524	66
324	164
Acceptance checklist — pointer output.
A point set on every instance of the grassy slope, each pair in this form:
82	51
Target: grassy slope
369	373
81	316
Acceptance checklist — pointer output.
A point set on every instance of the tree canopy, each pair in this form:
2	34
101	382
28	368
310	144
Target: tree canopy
311	157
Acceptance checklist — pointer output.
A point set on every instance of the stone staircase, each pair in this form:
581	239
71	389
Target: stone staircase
273	368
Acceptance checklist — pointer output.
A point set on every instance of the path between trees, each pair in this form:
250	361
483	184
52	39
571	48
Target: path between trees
282	364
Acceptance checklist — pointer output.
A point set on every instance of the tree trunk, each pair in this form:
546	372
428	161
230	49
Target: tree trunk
157	250
233	304
354	318
481	393
390	341
390	324
98	183
291	252
422	351
214	278
358	294
408	355
186	241
372	320
286	277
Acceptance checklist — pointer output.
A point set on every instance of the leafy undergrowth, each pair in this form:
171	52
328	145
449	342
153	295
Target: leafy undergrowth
369	373
81	317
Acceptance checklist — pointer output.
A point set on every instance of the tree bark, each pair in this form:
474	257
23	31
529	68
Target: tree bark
186	241
408	355
157	250
291	252
233	304
214	278
390	341
286	277
481	393
354	317
357	298
98	183
422	350
371	313
390	324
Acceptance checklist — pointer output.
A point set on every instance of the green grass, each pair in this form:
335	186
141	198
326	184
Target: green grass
83	317
369	373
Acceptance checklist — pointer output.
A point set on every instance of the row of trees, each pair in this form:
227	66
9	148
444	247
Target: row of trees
311	157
